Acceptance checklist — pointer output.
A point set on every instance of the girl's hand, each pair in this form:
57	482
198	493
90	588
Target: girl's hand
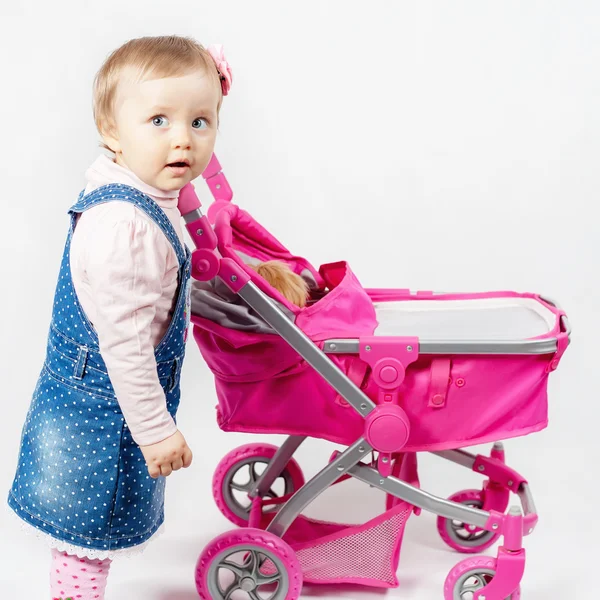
167	456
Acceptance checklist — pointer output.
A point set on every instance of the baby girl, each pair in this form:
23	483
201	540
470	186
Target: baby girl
100	436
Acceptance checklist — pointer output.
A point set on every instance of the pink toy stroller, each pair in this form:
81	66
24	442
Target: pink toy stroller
387	374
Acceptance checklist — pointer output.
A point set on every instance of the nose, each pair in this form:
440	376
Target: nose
181	140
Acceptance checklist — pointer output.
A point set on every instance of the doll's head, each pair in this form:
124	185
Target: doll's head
156	106
289	284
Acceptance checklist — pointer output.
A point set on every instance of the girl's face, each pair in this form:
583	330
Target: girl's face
165	129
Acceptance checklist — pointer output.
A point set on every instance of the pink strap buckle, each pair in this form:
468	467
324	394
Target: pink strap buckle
562	342
356	373
438	384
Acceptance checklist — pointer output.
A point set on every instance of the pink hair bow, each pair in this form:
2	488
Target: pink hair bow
216	51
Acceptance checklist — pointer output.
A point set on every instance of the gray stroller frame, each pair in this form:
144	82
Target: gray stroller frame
519	521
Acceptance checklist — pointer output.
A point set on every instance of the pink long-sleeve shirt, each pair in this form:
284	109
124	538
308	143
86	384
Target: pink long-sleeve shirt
124	272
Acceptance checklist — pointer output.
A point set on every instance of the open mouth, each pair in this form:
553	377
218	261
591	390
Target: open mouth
178	164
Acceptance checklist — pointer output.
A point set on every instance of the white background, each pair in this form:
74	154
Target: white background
434	145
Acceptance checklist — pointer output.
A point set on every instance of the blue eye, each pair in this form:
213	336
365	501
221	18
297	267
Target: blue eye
160	121
199	124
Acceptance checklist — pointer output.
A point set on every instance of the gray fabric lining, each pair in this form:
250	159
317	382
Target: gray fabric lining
214	301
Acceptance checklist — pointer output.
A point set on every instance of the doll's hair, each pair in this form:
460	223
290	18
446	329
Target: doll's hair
289	284
144	58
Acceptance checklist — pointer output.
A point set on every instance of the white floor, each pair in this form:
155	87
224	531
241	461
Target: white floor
561	553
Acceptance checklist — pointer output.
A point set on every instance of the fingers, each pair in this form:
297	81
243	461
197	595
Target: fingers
166	469
153	471
167	456
187	457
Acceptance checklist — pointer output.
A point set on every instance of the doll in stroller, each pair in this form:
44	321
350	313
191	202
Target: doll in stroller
386	373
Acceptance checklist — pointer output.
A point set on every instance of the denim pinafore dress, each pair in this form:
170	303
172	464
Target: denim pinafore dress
80	477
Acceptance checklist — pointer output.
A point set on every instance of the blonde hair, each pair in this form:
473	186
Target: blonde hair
162	56
289	284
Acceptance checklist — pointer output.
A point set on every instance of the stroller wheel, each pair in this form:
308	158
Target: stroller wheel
252	561
469	576
460	536
237	473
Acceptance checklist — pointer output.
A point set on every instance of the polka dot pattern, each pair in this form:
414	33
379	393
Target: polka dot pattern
80	476
74	577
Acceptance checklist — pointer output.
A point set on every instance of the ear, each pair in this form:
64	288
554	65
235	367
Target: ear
112	142
110	137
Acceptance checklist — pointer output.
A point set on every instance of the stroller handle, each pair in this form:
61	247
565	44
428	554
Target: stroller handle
217	183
